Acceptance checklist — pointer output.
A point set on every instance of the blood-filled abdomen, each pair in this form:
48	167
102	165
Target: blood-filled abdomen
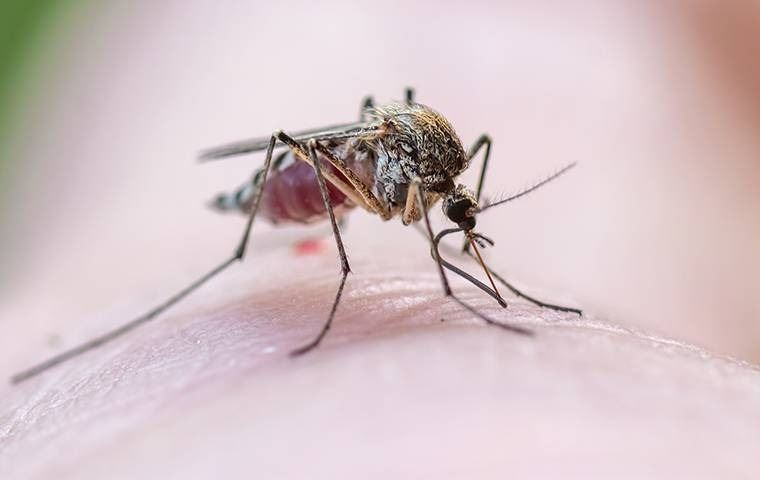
292	194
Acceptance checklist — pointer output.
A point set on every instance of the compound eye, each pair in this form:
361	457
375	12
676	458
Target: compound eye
457	211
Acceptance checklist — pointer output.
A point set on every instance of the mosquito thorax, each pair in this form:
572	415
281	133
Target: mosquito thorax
416	143
460	206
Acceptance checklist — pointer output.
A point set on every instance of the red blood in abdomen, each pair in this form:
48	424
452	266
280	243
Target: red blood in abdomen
292	194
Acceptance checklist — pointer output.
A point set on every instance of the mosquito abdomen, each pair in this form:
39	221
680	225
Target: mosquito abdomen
291	194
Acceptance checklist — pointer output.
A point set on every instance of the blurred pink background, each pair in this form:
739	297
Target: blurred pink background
658	102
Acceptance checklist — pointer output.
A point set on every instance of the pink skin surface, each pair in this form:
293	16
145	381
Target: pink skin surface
655	231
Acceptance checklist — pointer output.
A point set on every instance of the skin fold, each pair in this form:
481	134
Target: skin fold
654	235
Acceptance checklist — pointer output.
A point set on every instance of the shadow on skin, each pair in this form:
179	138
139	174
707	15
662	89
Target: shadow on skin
209	390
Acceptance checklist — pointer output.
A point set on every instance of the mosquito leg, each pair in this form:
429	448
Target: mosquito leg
532	300
344	266
514	289
498	277
416	191
501	279
370	200
483	141
238	255
411	213
409	95
444	280
367	103
349	190
445	247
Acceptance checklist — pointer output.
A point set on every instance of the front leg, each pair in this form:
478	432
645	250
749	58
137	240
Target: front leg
347	189
345	268
445	281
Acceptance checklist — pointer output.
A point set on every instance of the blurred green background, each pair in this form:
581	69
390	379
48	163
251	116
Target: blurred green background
27	28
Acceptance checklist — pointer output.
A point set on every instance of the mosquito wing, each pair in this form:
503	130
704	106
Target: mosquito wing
334	132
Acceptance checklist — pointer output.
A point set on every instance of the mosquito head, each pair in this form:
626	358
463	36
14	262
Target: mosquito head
460	206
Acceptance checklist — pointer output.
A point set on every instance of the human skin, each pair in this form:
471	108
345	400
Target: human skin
394	391
208	389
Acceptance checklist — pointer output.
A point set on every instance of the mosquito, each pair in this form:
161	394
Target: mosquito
397	160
